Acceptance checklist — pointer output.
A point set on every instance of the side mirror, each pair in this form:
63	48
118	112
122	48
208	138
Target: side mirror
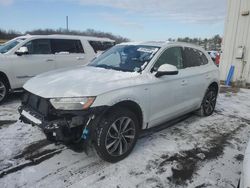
22	51
166	69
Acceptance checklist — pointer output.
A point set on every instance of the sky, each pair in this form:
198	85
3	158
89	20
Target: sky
134	19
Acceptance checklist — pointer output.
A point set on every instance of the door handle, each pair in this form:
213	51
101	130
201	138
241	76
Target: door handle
80	58
48	60
207	76
184	82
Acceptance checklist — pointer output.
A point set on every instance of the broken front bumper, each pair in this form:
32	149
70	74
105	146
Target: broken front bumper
59	124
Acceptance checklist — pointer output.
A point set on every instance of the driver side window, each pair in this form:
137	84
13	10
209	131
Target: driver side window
172	56
39	46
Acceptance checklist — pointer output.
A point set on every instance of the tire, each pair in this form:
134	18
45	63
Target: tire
208	102
116	135
3	90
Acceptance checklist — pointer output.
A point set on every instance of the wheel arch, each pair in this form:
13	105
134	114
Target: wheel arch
5	78
132	106
214	85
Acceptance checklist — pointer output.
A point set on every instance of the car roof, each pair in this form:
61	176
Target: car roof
147	43
161	44
56	36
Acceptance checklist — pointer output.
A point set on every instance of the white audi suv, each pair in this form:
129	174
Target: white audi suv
129	88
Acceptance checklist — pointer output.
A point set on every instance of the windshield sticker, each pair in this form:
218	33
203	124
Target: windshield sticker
147	50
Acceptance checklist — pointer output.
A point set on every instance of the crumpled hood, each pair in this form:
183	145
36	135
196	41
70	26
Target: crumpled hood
79	81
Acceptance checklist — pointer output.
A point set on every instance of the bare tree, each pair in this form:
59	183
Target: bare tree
89	32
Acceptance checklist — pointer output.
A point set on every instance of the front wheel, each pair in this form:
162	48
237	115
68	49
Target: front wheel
3	90
116	135
208	102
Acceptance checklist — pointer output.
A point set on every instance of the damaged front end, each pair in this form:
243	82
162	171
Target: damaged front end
57	124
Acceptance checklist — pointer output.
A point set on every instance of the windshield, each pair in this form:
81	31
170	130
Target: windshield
130	58
9	45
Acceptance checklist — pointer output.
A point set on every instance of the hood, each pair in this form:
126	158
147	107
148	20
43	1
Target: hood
79	81
3	54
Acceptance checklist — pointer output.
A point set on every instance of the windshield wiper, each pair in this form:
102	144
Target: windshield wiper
113	68
104	66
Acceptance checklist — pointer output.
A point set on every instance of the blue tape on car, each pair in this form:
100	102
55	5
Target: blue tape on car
85	134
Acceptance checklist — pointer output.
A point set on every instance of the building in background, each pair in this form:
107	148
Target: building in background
236	42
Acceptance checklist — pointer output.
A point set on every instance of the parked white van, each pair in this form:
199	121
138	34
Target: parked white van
26	56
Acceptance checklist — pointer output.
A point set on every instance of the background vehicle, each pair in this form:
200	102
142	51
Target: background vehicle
212	54
245	174
24	57
215	55
132	86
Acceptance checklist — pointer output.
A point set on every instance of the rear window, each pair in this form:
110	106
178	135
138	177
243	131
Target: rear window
66	45
100	45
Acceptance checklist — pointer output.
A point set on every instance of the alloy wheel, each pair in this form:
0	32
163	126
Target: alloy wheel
120	136
3	91
210	102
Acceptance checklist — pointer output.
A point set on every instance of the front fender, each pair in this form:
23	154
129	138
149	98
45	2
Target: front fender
138	94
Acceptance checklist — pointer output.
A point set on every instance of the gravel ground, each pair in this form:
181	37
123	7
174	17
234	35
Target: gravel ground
196	152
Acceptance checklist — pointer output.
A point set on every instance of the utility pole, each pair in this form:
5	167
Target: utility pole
67	23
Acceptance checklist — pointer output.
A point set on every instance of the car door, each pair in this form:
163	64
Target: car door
196	74
68	52
167	93
38	60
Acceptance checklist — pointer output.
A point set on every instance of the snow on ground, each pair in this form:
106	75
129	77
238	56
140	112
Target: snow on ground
196	152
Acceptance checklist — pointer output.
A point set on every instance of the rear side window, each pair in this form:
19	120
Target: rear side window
204	59
39	46
194	57
100	45
66	45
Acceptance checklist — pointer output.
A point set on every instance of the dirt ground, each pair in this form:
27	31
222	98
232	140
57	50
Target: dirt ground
195	152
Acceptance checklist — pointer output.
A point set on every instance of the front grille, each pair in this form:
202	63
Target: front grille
36	103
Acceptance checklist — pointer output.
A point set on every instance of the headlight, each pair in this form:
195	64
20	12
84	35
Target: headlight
80	103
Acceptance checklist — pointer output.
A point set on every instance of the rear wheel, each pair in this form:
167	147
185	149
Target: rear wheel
208	102
116	135
3	90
